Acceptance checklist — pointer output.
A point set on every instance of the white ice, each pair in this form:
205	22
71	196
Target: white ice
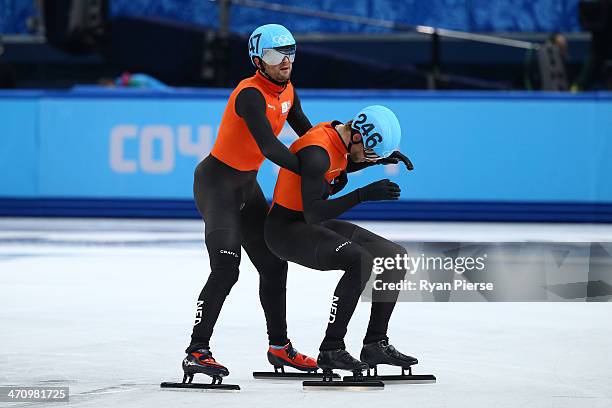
106	307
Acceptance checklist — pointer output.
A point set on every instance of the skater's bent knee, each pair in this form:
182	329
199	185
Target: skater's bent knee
224	265
400	250
223	278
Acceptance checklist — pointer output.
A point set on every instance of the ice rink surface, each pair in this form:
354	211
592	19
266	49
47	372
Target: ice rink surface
106	308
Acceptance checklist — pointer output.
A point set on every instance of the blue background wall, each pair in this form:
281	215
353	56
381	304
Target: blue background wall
480	154
466	15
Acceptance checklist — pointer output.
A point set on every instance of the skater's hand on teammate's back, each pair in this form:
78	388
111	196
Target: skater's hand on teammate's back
379	191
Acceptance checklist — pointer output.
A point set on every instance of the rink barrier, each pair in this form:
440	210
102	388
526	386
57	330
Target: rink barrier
488	156
393	211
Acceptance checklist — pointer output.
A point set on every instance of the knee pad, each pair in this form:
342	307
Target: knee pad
224	253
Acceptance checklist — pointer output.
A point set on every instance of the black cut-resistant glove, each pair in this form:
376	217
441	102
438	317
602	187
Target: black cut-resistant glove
379	191
395	158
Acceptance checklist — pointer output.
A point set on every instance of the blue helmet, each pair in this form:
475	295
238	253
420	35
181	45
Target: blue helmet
379	128
269	36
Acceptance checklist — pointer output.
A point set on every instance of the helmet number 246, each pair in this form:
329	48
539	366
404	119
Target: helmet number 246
365	129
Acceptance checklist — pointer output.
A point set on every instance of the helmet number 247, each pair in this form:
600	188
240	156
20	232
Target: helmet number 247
254	47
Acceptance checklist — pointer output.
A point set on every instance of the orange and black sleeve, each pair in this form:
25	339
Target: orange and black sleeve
251	106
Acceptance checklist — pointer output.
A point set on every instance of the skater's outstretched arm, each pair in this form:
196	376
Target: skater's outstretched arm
296	117
251	106
395	158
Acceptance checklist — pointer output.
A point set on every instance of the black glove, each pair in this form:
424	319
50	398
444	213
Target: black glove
395	158
379	190
339	183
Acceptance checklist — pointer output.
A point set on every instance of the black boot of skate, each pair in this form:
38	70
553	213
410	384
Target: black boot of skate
381	352
201	361
340	359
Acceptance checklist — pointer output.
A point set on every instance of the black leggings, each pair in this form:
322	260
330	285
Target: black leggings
234	211
338	245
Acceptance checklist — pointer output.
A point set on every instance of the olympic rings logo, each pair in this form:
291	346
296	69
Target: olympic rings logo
281	39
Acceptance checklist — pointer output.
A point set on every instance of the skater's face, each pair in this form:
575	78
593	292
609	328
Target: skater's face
280	72
353	141
357	152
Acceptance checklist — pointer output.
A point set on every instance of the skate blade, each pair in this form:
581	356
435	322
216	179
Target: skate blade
399	379
171	386
364	385
268	375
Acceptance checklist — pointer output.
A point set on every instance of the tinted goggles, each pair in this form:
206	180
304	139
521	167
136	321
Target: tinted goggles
274	56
